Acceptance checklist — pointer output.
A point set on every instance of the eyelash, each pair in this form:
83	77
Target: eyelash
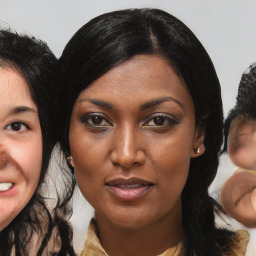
164	117
171	120
88	117
20	125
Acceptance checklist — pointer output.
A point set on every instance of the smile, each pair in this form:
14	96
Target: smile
5	186
128	189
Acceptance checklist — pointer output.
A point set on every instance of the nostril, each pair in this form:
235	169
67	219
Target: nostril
128	160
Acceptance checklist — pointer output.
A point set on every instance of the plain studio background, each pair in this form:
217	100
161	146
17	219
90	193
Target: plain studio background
226	28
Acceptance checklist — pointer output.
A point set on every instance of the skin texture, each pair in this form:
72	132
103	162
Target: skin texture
119	129
242	142
238	197
20	145
238	194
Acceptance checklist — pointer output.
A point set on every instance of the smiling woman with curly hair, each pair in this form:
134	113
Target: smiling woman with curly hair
27	82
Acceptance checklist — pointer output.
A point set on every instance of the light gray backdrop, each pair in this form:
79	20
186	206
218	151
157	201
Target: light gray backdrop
227	29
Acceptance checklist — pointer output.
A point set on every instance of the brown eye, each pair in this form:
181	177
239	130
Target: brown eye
16	127
96	120
160	120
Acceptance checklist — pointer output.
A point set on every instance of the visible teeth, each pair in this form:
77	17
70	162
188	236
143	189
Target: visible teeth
130	186
5	186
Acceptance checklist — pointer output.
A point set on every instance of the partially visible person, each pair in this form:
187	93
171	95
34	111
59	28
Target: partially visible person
242	142
141	121
27	91
238	194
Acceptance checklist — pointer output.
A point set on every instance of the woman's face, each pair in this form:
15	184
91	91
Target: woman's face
132	134
242	142
20	145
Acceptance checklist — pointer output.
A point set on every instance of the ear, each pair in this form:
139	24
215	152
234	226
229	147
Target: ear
198	144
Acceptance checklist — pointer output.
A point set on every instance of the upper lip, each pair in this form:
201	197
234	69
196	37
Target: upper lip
129	181
6	180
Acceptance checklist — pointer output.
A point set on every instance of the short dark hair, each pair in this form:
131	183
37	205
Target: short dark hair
112	38
37	65
245	101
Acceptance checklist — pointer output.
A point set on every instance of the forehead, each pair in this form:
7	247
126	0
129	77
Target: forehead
13	88
241	122
141	77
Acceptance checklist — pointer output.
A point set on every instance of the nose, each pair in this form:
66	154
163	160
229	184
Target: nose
127	149
4	158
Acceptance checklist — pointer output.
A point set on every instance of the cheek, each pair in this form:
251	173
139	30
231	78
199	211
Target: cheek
173	169
84	153
89	151
244	157
89	156
172	150
171	159
28	155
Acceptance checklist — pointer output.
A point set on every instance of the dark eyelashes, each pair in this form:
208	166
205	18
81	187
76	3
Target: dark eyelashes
96	119
16	126
99	120
85	117
167	117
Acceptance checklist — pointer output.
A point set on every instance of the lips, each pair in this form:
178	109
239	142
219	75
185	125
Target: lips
128	189
7	179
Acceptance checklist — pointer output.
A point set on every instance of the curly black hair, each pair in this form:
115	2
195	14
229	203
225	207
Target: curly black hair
245	101
37	65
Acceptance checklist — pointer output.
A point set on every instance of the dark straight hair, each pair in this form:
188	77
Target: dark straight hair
34	61
112	38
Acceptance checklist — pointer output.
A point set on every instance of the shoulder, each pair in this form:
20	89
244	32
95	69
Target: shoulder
92	244
238	243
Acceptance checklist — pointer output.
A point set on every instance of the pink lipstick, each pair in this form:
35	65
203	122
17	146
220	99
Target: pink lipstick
128	189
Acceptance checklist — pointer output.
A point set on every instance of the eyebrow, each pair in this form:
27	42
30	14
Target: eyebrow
149	104
100	103
155	102
22	109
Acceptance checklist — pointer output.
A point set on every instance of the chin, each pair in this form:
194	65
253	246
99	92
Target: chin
128	220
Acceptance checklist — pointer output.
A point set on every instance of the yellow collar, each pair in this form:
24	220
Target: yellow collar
92	246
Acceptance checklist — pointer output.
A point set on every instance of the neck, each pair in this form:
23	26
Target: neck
148	240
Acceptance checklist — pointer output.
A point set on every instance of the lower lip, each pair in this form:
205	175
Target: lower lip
129	194
10	192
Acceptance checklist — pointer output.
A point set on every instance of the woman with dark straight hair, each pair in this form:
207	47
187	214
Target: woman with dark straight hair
27	103
141	121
